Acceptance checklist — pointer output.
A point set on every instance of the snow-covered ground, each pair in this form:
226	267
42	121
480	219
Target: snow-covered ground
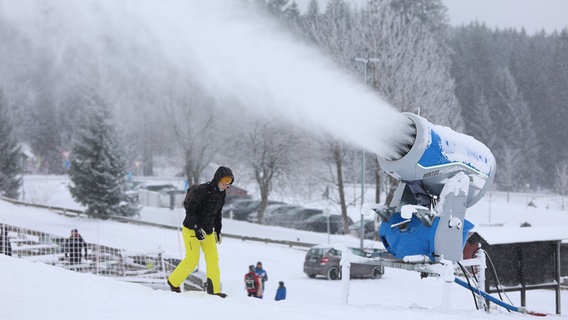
38	291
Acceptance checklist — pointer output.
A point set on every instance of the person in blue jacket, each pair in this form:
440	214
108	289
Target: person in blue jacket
280	292
262	274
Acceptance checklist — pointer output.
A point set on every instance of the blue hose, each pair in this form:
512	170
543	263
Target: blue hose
489	297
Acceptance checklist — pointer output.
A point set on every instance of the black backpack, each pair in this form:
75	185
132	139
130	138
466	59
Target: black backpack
249	281
190	190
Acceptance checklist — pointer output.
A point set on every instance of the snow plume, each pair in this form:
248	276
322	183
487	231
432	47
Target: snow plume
235	53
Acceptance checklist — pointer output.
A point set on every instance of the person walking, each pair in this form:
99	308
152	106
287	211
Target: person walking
73	247
262	277
252	283
280	292
202	231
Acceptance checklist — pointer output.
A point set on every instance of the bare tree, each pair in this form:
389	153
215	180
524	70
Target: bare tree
335	154
413	68
271	150
410	66
193	123
335	31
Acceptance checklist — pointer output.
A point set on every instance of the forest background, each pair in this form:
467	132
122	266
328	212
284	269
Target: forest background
504	87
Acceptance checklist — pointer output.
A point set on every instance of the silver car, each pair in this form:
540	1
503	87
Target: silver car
324	261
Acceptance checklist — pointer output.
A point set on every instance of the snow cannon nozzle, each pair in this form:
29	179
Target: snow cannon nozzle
438	153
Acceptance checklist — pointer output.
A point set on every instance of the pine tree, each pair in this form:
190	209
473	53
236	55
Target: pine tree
10	166
516	128
98	168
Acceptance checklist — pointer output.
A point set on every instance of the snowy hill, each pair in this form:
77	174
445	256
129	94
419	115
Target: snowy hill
38	291
35	290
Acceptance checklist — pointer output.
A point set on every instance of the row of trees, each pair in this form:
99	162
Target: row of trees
513	91
504	87
97	164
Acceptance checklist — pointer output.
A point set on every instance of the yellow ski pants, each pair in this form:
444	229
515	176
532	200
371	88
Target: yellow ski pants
192	252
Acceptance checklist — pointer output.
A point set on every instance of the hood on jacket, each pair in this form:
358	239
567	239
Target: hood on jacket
220	173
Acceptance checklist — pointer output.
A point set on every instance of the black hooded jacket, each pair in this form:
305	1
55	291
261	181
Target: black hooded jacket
205	204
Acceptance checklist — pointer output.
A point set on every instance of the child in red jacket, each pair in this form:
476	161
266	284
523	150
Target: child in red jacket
252	285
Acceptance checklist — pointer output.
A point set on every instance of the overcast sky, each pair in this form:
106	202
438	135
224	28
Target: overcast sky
533	15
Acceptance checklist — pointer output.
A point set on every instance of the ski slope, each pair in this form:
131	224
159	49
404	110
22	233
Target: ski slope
38	291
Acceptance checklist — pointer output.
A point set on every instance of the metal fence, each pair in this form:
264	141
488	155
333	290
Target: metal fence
149	268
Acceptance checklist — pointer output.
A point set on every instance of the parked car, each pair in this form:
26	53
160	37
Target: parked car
239	210
293	216
160	195
271	211
368	227
235	204
158	187
319	222
229	199
324	261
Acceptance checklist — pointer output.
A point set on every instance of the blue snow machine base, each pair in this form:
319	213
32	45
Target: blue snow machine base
408	237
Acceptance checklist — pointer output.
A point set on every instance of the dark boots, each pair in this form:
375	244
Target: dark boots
173	288
210	289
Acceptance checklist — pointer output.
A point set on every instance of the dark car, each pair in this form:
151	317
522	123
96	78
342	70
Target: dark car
324	261
239	203
368	227
240	210
319	223
291	217
279	214
159	187
229	199
270	212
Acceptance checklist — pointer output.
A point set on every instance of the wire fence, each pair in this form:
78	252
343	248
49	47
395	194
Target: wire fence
149	268
144	264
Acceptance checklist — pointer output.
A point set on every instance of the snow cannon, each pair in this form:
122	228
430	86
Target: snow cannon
437	154
441	173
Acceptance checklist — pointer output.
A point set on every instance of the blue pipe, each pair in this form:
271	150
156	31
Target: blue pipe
489	297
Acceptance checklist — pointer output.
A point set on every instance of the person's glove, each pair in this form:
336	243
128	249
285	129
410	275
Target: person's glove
218	237
199	233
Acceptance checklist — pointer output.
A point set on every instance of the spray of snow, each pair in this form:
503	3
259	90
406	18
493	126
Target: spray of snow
234	52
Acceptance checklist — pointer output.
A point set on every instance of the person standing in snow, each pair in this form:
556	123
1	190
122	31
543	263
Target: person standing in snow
280	292
202	231
73	247
252	283
262	276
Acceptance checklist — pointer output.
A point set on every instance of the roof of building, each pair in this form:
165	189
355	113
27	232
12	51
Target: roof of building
516	234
